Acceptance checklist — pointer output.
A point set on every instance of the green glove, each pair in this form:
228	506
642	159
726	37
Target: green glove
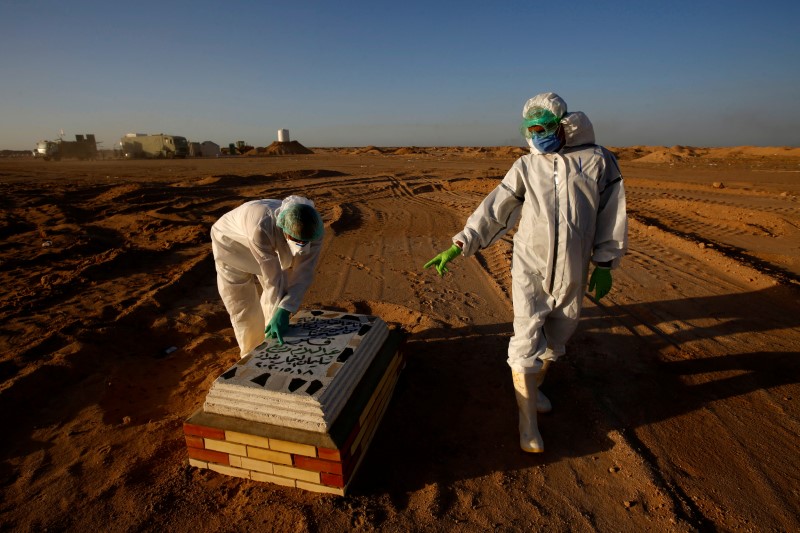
600	279
277	325
443	258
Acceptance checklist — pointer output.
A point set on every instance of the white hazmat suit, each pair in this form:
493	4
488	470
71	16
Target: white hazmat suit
569	200
571	210
249	249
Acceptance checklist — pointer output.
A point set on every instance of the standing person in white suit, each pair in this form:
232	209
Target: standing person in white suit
275	244
569	199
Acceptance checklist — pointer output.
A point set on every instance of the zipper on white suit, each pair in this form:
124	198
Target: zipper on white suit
555	243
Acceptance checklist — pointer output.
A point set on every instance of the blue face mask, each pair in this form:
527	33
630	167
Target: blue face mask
548	144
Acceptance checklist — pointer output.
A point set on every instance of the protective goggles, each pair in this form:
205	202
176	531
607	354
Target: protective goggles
298	242
539	123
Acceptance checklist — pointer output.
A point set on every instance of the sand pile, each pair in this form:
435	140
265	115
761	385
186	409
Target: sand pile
661	156
280	148
409	150
490	152
678	153
509	151
753	152
372	150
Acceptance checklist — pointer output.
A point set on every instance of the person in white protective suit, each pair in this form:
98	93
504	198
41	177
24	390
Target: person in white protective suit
272	243
569	199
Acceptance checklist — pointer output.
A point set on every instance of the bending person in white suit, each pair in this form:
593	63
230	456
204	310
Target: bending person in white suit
270	247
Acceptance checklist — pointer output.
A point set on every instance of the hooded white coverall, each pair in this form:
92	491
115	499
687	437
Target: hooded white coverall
571	210
249	246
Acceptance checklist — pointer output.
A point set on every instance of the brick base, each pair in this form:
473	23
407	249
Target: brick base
319	462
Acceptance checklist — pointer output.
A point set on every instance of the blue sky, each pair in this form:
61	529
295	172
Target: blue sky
696	73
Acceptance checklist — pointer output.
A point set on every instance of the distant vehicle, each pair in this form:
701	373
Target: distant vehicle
140	145
83	147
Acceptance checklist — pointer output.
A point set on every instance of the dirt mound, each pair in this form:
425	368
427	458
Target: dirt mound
661	156
753	151
678	153
484	151
373	150
282	148
629	153
509	151
409	150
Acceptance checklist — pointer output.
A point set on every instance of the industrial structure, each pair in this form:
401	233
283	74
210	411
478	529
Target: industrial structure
142	145
83	147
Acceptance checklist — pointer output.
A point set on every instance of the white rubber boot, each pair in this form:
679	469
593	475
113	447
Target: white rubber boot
543	404
530	440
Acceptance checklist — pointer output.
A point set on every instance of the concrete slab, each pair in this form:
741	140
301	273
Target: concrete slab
306	382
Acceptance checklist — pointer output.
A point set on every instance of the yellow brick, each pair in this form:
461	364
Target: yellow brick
320	488
254	464
235	460
371	425
292	447
229	470
374	398
358	438
374	427
269	455
197	463
377	397
296	473
369	432
371	422
269	478
244	438
383	403
387	376
227	447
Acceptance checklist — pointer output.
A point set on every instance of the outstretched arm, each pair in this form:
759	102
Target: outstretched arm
497	213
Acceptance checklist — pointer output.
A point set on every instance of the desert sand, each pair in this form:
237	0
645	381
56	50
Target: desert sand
677	407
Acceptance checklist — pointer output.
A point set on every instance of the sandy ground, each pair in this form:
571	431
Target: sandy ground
676	408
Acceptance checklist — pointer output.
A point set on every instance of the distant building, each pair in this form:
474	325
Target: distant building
195	150
209	149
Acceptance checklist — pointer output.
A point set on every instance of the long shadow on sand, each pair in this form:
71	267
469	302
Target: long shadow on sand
453	416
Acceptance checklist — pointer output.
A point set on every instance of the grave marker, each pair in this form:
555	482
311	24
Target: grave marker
301	414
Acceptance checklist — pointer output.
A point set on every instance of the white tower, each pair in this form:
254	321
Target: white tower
283	136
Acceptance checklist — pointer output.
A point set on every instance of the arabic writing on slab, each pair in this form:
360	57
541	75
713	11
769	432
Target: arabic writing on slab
310	346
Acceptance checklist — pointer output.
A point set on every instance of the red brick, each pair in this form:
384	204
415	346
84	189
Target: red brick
203	431
194	442
329	454
317	465
209	455
332	480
